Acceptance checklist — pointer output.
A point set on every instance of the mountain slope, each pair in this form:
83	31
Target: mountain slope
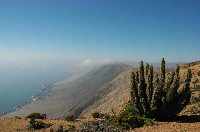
114	100
104	89
119	94
110	96
71	97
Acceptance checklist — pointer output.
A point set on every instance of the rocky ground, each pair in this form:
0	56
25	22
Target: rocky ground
20	125
188	121
170	127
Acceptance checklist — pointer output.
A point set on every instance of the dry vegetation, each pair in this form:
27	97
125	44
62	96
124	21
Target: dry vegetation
20	124
14	125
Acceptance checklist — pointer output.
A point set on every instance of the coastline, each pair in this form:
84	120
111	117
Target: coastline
44	91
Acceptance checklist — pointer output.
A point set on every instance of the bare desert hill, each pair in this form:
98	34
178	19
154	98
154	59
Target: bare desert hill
115	99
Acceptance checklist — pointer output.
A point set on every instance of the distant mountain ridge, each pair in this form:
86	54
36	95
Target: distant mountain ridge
190	64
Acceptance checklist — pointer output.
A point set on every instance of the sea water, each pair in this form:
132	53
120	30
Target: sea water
19	86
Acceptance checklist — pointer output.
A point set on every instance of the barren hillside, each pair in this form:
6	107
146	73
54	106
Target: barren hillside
71	97
115	98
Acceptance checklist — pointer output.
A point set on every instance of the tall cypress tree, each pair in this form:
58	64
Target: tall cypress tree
137	77
147	69
163	71
156	98
177	71
150	84
187	92
142	89
172	92
162	76
169	81
134	89
135	99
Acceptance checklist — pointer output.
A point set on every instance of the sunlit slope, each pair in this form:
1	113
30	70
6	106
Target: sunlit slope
119	94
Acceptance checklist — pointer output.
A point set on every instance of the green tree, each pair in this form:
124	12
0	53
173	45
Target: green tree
134	90
150	83
147	69
142	89
159	97
163	71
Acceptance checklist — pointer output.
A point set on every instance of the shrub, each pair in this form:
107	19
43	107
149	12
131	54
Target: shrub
198	73
57	128
70	118
127	118
99	126
17	117
97	115
71	128
36	116
35	124
157	96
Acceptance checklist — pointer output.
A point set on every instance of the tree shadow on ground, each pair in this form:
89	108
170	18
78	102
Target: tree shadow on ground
185	119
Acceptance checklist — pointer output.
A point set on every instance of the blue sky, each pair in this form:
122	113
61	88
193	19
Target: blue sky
100	29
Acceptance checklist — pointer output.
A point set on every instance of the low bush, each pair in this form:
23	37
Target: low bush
128	119
71	128
57	128
198	73
36	116
97	115
35	124
99	126
125	120
18	117
70	118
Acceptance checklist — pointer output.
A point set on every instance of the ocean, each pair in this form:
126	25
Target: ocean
19	85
